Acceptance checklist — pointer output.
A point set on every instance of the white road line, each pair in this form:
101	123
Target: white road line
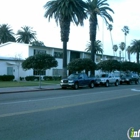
54	98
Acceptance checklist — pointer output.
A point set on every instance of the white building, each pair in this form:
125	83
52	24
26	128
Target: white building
12	54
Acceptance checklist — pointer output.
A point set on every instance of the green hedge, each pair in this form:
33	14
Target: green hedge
7	77
49	78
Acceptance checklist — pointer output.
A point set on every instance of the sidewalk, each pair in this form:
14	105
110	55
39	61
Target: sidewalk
28	89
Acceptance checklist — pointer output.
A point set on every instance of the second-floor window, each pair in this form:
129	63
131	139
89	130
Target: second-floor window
58	54
36	51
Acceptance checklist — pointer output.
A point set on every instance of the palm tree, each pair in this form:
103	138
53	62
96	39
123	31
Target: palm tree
126	31
64	12
98	47
110	27
135	48
128	52
6	34
122	47
26	35
101	8
115	48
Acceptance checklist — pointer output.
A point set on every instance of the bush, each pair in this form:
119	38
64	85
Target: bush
7	77
30	78
49	78
21	78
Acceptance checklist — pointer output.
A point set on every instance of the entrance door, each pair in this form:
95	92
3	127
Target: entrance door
9	70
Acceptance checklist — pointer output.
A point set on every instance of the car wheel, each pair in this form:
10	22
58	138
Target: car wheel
117	83
107	84
76	86
91	85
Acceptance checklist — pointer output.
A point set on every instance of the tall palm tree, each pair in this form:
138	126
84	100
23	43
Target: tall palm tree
101	8
64	12
122	47
115	48
128	52
26	35
135	48
110	27
6	34
98	47
126	31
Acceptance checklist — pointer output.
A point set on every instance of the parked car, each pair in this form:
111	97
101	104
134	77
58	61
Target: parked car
107	79
129	78
78	80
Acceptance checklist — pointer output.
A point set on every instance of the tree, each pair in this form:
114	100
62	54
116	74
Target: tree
97	45
110	27
6	34
65	12
37	43
126	31
109	65
130	66
39	62
135	48
115	48
26	35
81	64
101	8
122	47
128	52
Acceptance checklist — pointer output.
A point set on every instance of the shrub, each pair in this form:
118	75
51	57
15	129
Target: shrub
7	77
30	78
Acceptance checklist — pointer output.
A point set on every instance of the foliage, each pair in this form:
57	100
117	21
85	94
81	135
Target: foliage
109	65
49	78
122	46
101	8
31	78
130	66
97	45
39	62
26	35
37	43
135	48
81	64
6	34
125	30
64	12
7	77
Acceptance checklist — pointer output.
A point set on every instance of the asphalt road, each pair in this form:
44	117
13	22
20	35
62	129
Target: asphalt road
85	114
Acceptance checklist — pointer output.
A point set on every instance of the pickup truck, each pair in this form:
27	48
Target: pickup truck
107	79
78	80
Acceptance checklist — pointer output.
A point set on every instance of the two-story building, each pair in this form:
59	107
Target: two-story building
12	54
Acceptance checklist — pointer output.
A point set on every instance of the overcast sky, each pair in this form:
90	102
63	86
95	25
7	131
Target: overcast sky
18	13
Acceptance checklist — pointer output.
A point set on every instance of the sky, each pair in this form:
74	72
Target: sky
18	13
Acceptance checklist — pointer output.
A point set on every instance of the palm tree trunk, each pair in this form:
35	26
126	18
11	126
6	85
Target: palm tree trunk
64	59
137	57
93	26
112	43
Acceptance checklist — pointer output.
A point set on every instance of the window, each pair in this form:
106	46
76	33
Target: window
38	51
57	72
58	54
36	72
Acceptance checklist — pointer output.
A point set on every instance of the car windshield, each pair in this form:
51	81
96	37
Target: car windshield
104	75
73	76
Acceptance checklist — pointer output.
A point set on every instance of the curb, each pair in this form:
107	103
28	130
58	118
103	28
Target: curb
34	90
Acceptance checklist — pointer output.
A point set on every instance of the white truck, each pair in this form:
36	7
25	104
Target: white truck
107	79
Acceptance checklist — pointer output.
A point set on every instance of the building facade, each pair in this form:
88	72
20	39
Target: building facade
13	54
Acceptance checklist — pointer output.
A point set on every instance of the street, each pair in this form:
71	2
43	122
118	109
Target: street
101	113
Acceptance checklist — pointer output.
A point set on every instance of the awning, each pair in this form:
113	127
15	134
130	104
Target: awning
11	63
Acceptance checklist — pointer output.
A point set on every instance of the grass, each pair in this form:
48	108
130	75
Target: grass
4	84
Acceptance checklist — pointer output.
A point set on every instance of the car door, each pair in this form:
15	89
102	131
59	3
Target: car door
81	80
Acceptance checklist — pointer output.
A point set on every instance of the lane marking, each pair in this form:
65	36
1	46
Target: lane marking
64	106
54	98
135	90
